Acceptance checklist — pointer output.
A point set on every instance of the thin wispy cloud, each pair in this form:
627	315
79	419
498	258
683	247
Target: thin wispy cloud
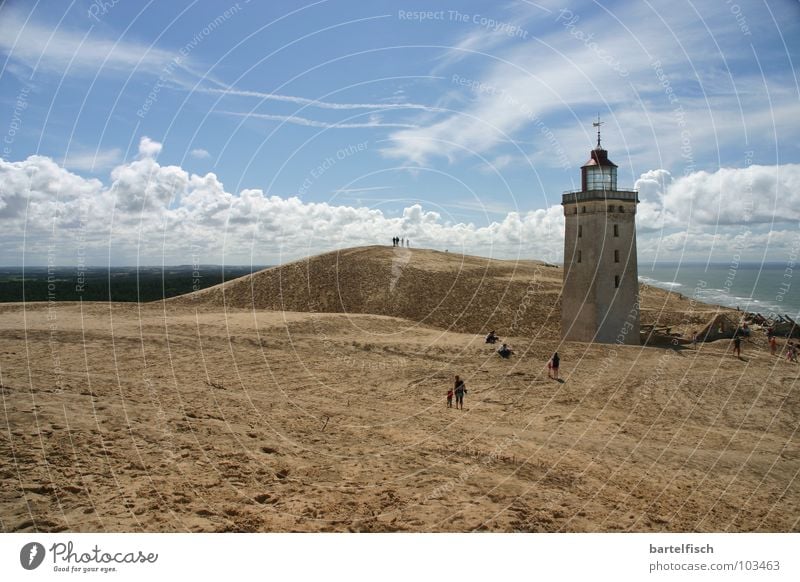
315	123
354	190
315	102
42	47
578	62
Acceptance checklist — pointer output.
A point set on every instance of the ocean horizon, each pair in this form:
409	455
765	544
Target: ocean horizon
766	288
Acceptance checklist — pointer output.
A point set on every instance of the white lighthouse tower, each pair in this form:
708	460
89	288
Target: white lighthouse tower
600	298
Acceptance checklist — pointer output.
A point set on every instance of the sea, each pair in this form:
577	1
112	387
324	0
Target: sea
766	288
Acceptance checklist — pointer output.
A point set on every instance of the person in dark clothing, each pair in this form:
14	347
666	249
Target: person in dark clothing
552	366
505	351
737	346
491	337
460	389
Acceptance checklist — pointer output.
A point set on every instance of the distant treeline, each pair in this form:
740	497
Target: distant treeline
111	283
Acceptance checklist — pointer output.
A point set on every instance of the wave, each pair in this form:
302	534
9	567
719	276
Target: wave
668	285
723	297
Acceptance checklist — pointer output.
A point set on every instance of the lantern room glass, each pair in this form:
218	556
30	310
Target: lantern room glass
601	178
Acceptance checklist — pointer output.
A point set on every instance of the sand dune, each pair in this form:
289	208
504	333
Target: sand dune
444	290
310	397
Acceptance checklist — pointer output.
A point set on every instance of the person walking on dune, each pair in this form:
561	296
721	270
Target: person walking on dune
460	389
737	346
773	345
552	366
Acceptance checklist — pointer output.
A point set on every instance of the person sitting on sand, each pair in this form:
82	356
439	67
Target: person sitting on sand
460	389
505	351
450	397
491	338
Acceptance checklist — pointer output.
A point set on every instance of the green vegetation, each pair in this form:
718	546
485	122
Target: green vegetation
111	283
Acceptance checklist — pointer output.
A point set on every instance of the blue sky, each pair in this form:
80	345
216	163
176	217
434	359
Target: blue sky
180	132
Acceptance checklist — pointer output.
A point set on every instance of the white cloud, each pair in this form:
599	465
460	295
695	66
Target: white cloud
149	148
730	196
152	213
41	189
60	49
373	122
600	62
200	154
305	102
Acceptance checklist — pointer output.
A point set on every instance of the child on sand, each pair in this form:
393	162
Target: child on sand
773	345
450	398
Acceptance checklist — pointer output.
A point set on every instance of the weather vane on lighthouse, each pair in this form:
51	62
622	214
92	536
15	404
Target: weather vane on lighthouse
597	124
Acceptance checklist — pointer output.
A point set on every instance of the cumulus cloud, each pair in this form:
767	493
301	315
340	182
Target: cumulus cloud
150	213
149	148
730	196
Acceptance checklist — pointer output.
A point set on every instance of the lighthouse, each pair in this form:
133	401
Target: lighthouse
600	297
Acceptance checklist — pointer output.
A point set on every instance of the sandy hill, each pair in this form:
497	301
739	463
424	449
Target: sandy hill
445	290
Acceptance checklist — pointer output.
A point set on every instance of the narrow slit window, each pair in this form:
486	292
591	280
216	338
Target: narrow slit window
616	281
616	230
580	230
616	256
583	209
579	256
622	209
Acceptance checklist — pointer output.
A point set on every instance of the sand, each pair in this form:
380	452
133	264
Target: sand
222	412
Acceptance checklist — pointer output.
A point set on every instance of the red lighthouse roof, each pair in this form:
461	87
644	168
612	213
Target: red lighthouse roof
599	157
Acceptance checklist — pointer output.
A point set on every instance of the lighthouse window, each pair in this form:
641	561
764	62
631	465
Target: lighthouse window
583	209
579	256
616	256
622	209
580	230
616	230
616	281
